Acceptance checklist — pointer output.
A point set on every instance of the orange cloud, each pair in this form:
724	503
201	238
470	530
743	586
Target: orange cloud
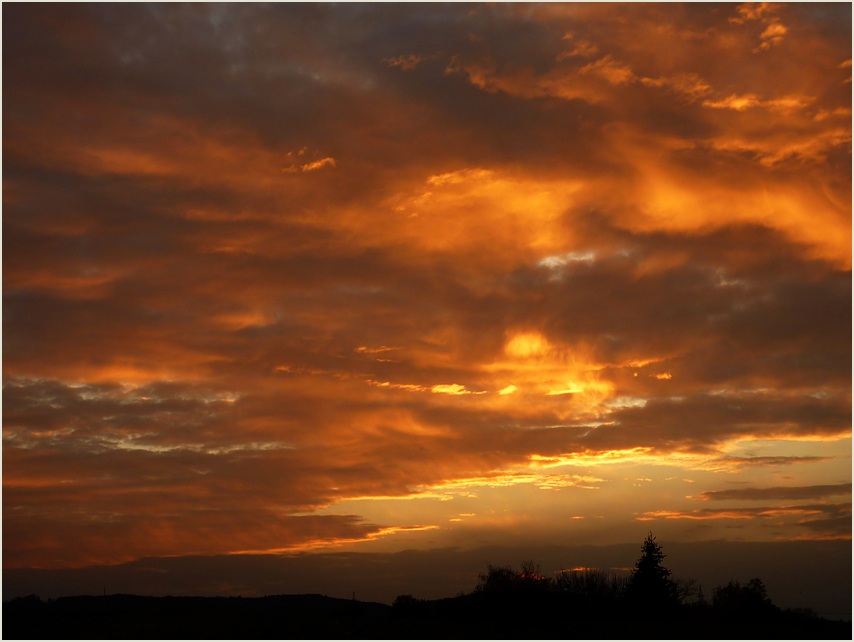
611	70
405	63
453	389
773	35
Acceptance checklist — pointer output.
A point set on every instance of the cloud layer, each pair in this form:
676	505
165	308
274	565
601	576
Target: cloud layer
263	264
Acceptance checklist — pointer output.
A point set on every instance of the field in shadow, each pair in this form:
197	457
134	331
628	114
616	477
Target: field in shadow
473	616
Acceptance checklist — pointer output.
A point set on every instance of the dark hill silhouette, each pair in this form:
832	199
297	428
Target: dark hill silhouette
505	604
138	617
472	616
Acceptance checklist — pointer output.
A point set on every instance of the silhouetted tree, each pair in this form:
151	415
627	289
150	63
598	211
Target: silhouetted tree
513	597
650	586
591	582
688	591
590	591
742	600
496	579
532	579
701	598
503	579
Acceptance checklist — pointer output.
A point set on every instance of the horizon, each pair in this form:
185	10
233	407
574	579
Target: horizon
812	579
305	280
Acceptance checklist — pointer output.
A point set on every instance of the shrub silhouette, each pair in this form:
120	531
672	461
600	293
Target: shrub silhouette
405	602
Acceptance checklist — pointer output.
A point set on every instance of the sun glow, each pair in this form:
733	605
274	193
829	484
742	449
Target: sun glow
549	369
526	345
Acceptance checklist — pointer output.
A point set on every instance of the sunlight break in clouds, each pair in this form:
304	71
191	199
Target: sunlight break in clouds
307	277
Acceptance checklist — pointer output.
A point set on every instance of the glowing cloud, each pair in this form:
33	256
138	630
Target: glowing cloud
454	389
527	345
614	72
738	103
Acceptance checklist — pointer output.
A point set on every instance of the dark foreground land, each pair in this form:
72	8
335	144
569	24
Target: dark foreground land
478	615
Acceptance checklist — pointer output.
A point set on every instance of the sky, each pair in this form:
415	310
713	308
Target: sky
314	279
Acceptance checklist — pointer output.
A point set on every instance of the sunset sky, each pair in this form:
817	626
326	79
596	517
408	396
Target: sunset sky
371	278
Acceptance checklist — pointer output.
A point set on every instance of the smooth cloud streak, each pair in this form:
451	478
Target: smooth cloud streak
792	492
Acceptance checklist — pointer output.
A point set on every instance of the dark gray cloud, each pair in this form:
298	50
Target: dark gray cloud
782	492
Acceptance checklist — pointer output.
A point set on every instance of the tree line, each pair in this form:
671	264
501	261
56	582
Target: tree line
593	603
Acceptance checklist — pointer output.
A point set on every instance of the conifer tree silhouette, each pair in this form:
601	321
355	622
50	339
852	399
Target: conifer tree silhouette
650	586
